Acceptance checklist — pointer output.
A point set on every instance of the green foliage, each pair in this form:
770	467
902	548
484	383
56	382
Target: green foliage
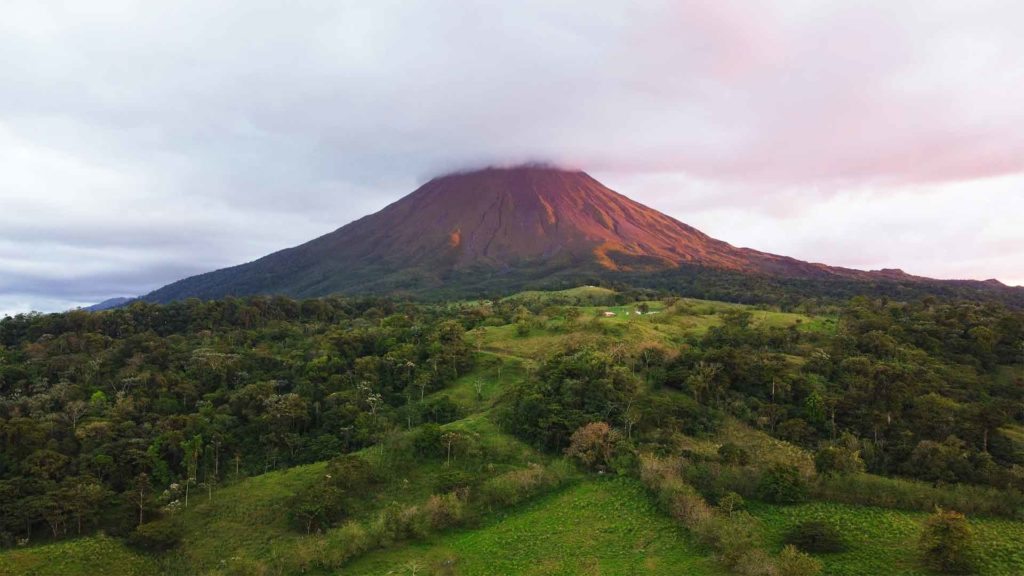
444	511
817	536
99	554
571	390
872	490
782	484
606	526
352	473
159	536
595	445
171	394
397	523
731	502
316	508
517	485
838	460
196	394
793	562
731	453
947	543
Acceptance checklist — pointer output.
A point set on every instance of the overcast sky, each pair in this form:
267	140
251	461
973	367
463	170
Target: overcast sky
141	142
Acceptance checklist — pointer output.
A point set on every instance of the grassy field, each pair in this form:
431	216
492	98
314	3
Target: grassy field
249	519
604	526
94	555
662	324
580	294
883	541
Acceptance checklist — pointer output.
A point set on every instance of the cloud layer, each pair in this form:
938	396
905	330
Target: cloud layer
142	142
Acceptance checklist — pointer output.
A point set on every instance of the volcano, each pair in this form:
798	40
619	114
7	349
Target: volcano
521	224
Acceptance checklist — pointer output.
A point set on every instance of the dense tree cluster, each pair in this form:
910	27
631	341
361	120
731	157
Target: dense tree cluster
104	416
932	389
926	389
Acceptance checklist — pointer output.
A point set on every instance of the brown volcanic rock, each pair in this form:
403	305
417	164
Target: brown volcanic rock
523	218
502	217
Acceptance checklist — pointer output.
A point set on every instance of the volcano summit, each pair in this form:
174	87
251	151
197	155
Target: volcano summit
522	224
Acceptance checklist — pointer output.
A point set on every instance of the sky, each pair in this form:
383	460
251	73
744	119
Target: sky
142	142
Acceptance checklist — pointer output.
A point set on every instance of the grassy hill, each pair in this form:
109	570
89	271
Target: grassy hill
599	526
884	541
583	523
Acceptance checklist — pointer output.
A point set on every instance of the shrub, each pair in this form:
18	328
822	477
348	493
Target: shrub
453	480
730	502
871	490
732	453
624	459
593	445
782	484
816	536
159	536
946	543
351	472
797	431
731	537
426	441
396	523
654	470
316	507
792	562
684	503
344	543
754	562
522	328
515	486
444	511
838	460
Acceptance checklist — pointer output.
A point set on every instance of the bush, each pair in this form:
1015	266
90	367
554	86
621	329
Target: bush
870	490
426	441
159	536
315	508
684	503
782	484
817	536
513	487
730	502
351	473
731	453
838	460
593	445
792	562
946	543
344	543
396	524
754	562
444	511
731	537
453	480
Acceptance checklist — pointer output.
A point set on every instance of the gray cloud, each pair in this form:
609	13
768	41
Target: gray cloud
141	142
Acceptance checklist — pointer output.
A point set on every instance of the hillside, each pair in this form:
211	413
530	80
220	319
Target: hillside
372	437
503	229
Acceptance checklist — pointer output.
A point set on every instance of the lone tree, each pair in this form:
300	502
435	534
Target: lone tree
451	440
140	494
946	543
593	444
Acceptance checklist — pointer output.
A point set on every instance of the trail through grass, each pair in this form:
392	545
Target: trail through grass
603	526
